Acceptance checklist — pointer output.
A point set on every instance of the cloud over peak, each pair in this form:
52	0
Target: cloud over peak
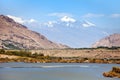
88	24
50	23
17	19
20	20
67	19
32	20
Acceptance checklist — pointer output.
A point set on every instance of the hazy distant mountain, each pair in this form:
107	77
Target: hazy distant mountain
109	41
73	32
16	36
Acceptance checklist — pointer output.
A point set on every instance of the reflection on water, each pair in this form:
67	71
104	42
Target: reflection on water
54	71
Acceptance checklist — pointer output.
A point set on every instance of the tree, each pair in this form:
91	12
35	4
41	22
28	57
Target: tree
2	51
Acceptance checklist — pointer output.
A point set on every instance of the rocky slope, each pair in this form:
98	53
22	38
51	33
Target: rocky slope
16	36
109	41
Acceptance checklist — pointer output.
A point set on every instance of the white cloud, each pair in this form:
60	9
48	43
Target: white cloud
20	20
49	23
88	24
67	19
115	16
31	20
60	14
91	15
17	19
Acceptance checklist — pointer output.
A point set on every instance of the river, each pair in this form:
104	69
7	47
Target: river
54	71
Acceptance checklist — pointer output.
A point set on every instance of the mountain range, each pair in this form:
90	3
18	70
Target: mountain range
17	36
14	35
70	31
67	30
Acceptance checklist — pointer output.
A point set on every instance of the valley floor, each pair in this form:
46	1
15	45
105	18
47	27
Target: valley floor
62	56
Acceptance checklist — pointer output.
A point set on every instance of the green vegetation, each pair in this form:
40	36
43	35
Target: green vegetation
26	56
2	51
111	48
100	47
23	53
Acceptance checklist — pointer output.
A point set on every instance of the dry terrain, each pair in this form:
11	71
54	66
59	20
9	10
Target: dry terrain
91	55
85	53
17	36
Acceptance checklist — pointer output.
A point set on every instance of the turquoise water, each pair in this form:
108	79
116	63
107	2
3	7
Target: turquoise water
54	71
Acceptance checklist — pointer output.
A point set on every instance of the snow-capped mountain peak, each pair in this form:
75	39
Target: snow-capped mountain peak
67	19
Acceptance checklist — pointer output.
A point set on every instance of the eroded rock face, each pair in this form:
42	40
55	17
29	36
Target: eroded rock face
115	72
110	41
16	36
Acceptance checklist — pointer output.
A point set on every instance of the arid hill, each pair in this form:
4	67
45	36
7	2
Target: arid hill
109	41
16	36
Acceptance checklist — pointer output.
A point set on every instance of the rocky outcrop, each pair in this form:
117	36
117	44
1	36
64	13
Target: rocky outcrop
109	41
17	36
114	73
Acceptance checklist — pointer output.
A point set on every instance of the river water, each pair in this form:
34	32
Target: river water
54	71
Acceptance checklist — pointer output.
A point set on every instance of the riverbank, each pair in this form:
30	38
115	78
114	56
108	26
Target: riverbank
115	72
61	56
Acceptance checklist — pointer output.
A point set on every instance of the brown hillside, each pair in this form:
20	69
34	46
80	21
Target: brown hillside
109	41
16	36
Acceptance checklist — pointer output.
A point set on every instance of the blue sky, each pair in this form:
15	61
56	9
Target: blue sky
77	23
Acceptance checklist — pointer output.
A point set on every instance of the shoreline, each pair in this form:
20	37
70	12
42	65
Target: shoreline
107	56
59	60
114	73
